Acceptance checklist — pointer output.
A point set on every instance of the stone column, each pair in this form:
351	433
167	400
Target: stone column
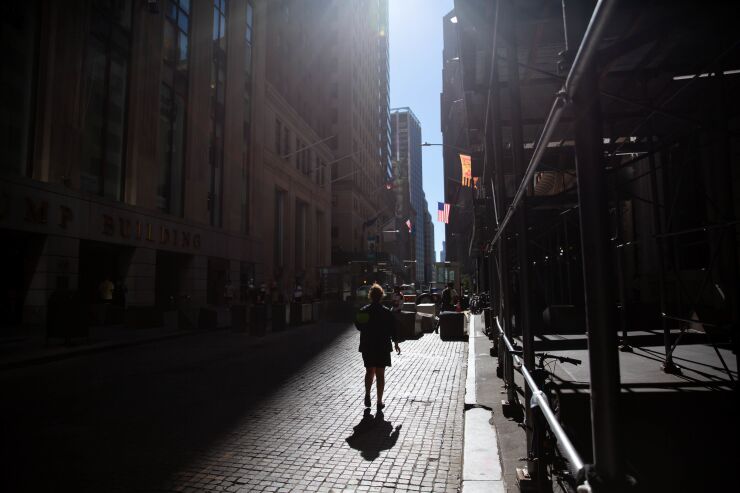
196	280
58	263
235	275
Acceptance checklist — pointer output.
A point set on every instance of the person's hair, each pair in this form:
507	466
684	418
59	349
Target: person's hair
450	285
376	293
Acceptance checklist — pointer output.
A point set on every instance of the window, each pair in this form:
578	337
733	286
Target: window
172	107
19	33
301	243
319	238
299	153
279	226
247	124
278	136
218	110
286	142
105	71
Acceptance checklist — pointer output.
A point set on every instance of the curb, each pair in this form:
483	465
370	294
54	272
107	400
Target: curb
481	461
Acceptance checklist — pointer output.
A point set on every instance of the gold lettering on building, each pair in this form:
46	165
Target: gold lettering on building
36	214
124	228
109	227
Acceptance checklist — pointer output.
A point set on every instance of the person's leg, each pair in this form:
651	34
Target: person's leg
369	375
380	372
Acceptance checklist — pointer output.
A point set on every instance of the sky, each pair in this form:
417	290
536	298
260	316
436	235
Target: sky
416	80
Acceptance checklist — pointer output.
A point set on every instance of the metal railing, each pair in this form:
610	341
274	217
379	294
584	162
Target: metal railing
565	445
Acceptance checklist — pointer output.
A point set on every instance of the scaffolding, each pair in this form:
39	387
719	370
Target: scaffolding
610	136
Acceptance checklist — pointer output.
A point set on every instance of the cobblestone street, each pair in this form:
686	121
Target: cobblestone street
217	412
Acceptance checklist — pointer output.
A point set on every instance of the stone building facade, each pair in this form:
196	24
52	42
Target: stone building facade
141	150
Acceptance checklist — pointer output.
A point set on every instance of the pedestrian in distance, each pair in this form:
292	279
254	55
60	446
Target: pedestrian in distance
377	327
449	298
397	299
106	289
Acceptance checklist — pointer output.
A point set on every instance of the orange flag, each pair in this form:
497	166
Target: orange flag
467	172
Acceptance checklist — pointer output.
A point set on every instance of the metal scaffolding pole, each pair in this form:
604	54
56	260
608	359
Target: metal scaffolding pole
496	144
536	468
597	261
583	59
668	365
725	241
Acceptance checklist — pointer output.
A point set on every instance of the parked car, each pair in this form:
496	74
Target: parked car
429	297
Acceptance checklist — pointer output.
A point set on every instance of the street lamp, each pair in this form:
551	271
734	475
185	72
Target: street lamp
466	151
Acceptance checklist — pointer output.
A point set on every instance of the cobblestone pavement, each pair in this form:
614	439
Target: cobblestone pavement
214	412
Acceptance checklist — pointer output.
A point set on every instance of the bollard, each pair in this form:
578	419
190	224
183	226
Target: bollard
239	318
258	319
278	317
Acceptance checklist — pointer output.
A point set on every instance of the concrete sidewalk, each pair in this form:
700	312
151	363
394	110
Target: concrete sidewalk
32	347
481	459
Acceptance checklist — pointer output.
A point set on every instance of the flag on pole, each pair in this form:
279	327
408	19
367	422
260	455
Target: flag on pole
408	224
443	212
467	172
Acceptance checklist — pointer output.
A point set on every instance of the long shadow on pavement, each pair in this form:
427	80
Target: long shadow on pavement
127	420
373	435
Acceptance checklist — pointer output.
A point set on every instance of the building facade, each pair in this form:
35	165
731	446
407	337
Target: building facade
141	149
295	148
458	231
357	79
430	256
406	148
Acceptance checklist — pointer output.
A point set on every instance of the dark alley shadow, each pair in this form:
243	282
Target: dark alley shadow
372	435
134	416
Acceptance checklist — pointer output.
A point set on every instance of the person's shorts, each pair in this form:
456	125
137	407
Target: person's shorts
376	360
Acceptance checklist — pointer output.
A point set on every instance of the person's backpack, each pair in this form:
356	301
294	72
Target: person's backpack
362	318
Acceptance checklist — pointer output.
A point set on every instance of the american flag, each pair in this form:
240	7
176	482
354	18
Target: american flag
443	212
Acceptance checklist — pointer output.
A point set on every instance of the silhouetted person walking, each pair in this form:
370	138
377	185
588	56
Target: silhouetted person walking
449	298
377	328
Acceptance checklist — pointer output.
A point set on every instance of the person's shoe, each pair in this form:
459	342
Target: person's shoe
367	401
380	406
